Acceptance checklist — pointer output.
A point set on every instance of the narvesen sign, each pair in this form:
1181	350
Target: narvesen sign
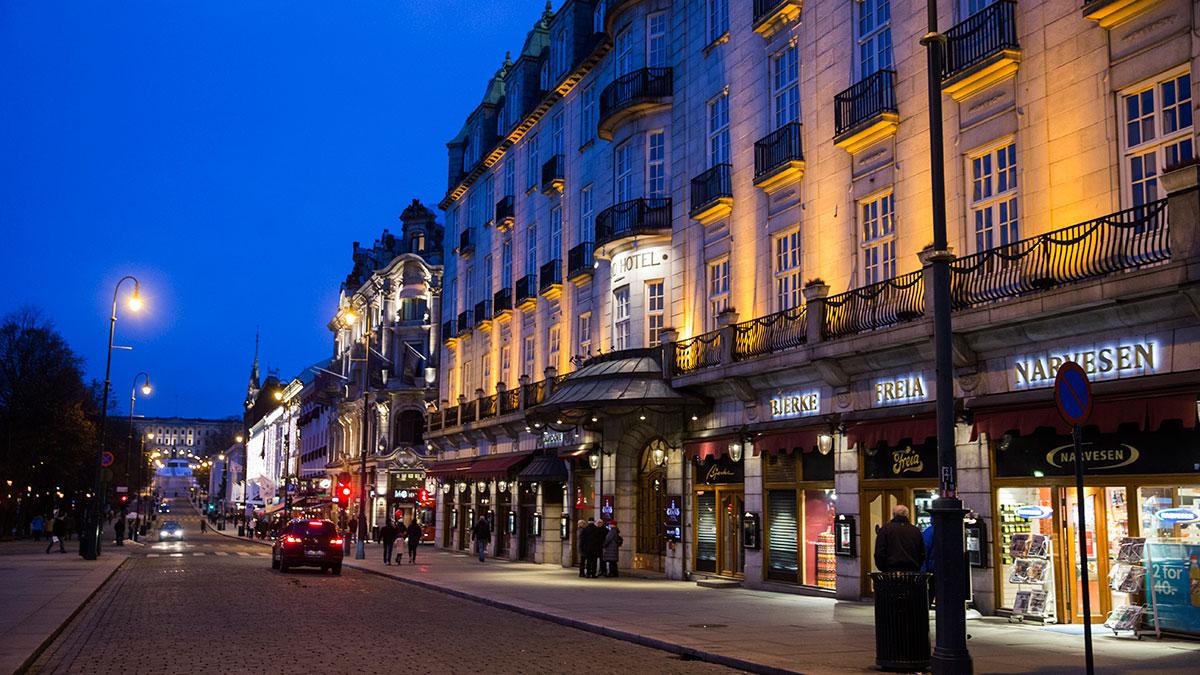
1094	458
1123	358
795	405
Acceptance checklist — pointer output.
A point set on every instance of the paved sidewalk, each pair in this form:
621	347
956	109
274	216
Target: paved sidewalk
40	592
757	630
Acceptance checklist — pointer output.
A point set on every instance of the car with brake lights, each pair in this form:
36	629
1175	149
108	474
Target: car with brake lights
307	542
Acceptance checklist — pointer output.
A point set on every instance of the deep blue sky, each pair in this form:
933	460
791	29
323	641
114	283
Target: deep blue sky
226	152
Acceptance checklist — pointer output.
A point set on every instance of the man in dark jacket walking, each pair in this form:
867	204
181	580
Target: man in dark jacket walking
592	542
58	531
387	534
414	539
899	546
481	534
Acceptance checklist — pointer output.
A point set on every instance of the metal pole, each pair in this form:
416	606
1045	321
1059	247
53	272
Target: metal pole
89	543
360	549
129	442
1076	437
950	653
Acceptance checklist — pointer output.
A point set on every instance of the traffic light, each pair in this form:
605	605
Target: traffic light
343	491
124	498
422	497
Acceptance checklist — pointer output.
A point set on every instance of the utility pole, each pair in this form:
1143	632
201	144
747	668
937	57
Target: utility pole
950	653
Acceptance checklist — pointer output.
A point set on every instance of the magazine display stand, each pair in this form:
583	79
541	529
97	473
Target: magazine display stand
1033	573
1128	575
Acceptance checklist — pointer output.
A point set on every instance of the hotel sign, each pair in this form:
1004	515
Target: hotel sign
795	405
1105	361
898	390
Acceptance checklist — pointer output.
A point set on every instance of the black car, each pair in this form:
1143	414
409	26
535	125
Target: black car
308	542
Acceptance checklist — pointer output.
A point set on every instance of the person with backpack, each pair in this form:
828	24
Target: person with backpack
611	552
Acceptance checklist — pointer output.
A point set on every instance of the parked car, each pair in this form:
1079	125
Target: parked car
308	543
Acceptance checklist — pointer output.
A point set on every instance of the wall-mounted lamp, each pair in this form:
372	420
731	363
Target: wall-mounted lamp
594	460
825	443
503	486
482	486
735	452
658	455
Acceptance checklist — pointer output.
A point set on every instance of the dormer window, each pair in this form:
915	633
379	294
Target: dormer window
561	53
598	17
544	76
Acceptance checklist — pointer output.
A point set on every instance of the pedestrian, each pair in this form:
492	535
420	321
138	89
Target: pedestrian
579	547
927	565
415	533
203	525
387	534
58	531
36	526
611	551
899	546
119	531
592	543
481	534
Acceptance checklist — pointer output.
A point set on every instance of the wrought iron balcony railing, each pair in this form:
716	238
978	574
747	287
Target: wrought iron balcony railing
553	173
710	187
487	407
867	99
447	330
466	244
633	218
483	312
777	150
771	333
506	210
697	353
550	276
580	261
881	304
502	301
526	289
464	322
632	91
510	401
984	34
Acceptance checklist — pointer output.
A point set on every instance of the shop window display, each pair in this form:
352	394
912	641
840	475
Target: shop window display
1027	542
801	507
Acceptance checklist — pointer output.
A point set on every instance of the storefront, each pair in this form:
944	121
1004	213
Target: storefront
1141	512
719	503
800	503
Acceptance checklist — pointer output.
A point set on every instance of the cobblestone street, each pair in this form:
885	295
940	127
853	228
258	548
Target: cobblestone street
213	604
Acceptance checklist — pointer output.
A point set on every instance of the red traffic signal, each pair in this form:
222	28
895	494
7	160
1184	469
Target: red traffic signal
343	491
124	498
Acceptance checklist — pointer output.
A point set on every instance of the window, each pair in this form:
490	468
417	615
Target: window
531	162
487	208
994	197
656	164
1157	133
587	215
485	363
970	7
531	256
556	132
587	114
530	354
501	122
785	87
624	44
874	36
598	17
552	341
656	40
787	271
513	102
506	362
623	172
487	278
555	233
472	287
544	76
718	19
655	311
561	53
718	130
416	243
718	290
468	384
510	177
585	334
506	263
879	238
621	318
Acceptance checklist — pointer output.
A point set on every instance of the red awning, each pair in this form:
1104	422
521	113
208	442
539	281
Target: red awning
497	466
1147	413
791	440
871	434
713	447
449	469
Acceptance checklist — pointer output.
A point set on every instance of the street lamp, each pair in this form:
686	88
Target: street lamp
89	543
146	389
349	318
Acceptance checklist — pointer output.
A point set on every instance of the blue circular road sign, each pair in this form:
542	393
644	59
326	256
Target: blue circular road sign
1073	394
107	459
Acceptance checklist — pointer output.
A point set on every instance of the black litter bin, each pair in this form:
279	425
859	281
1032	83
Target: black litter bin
901	620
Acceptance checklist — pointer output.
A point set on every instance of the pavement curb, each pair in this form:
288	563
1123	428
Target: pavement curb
28	663
626	636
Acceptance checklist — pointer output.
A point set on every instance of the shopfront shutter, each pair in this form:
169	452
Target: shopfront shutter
782	529
706	532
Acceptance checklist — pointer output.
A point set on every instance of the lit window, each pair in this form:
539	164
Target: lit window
621	318
787	271
530	354
585	334
1157	134
718	130
467	387
879	238
994	197
656	164
785	87
506	361
874	36
718	290
655	311
552	339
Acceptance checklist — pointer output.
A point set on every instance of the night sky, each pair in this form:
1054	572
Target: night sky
227	153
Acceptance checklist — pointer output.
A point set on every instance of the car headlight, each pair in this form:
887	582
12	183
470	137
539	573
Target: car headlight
162	534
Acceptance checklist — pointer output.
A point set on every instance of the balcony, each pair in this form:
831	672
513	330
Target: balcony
697	353
771	333
712	194
483	315
527	292
581	261
506	210
509	401
466	244
633	94
779	158
866	113
771	15
552	175
636	217
464	324
449	335
981	51
502	303
1112	13
550	279
879	305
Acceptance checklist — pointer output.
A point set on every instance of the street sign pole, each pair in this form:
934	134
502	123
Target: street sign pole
1073	396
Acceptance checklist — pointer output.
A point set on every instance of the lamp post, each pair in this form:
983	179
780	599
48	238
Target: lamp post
142	461
89	543
950	653
146	389
360	549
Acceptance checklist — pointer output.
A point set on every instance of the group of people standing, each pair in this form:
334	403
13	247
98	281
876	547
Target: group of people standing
599	548
389	533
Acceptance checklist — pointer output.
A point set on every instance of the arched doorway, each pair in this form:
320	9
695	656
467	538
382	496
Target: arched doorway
651	544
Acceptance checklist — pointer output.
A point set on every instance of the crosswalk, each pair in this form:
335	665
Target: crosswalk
205	553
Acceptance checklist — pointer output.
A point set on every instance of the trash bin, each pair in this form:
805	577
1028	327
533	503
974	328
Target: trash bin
241	530
901	620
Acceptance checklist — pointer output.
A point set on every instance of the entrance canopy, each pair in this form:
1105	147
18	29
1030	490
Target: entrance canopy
544	468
